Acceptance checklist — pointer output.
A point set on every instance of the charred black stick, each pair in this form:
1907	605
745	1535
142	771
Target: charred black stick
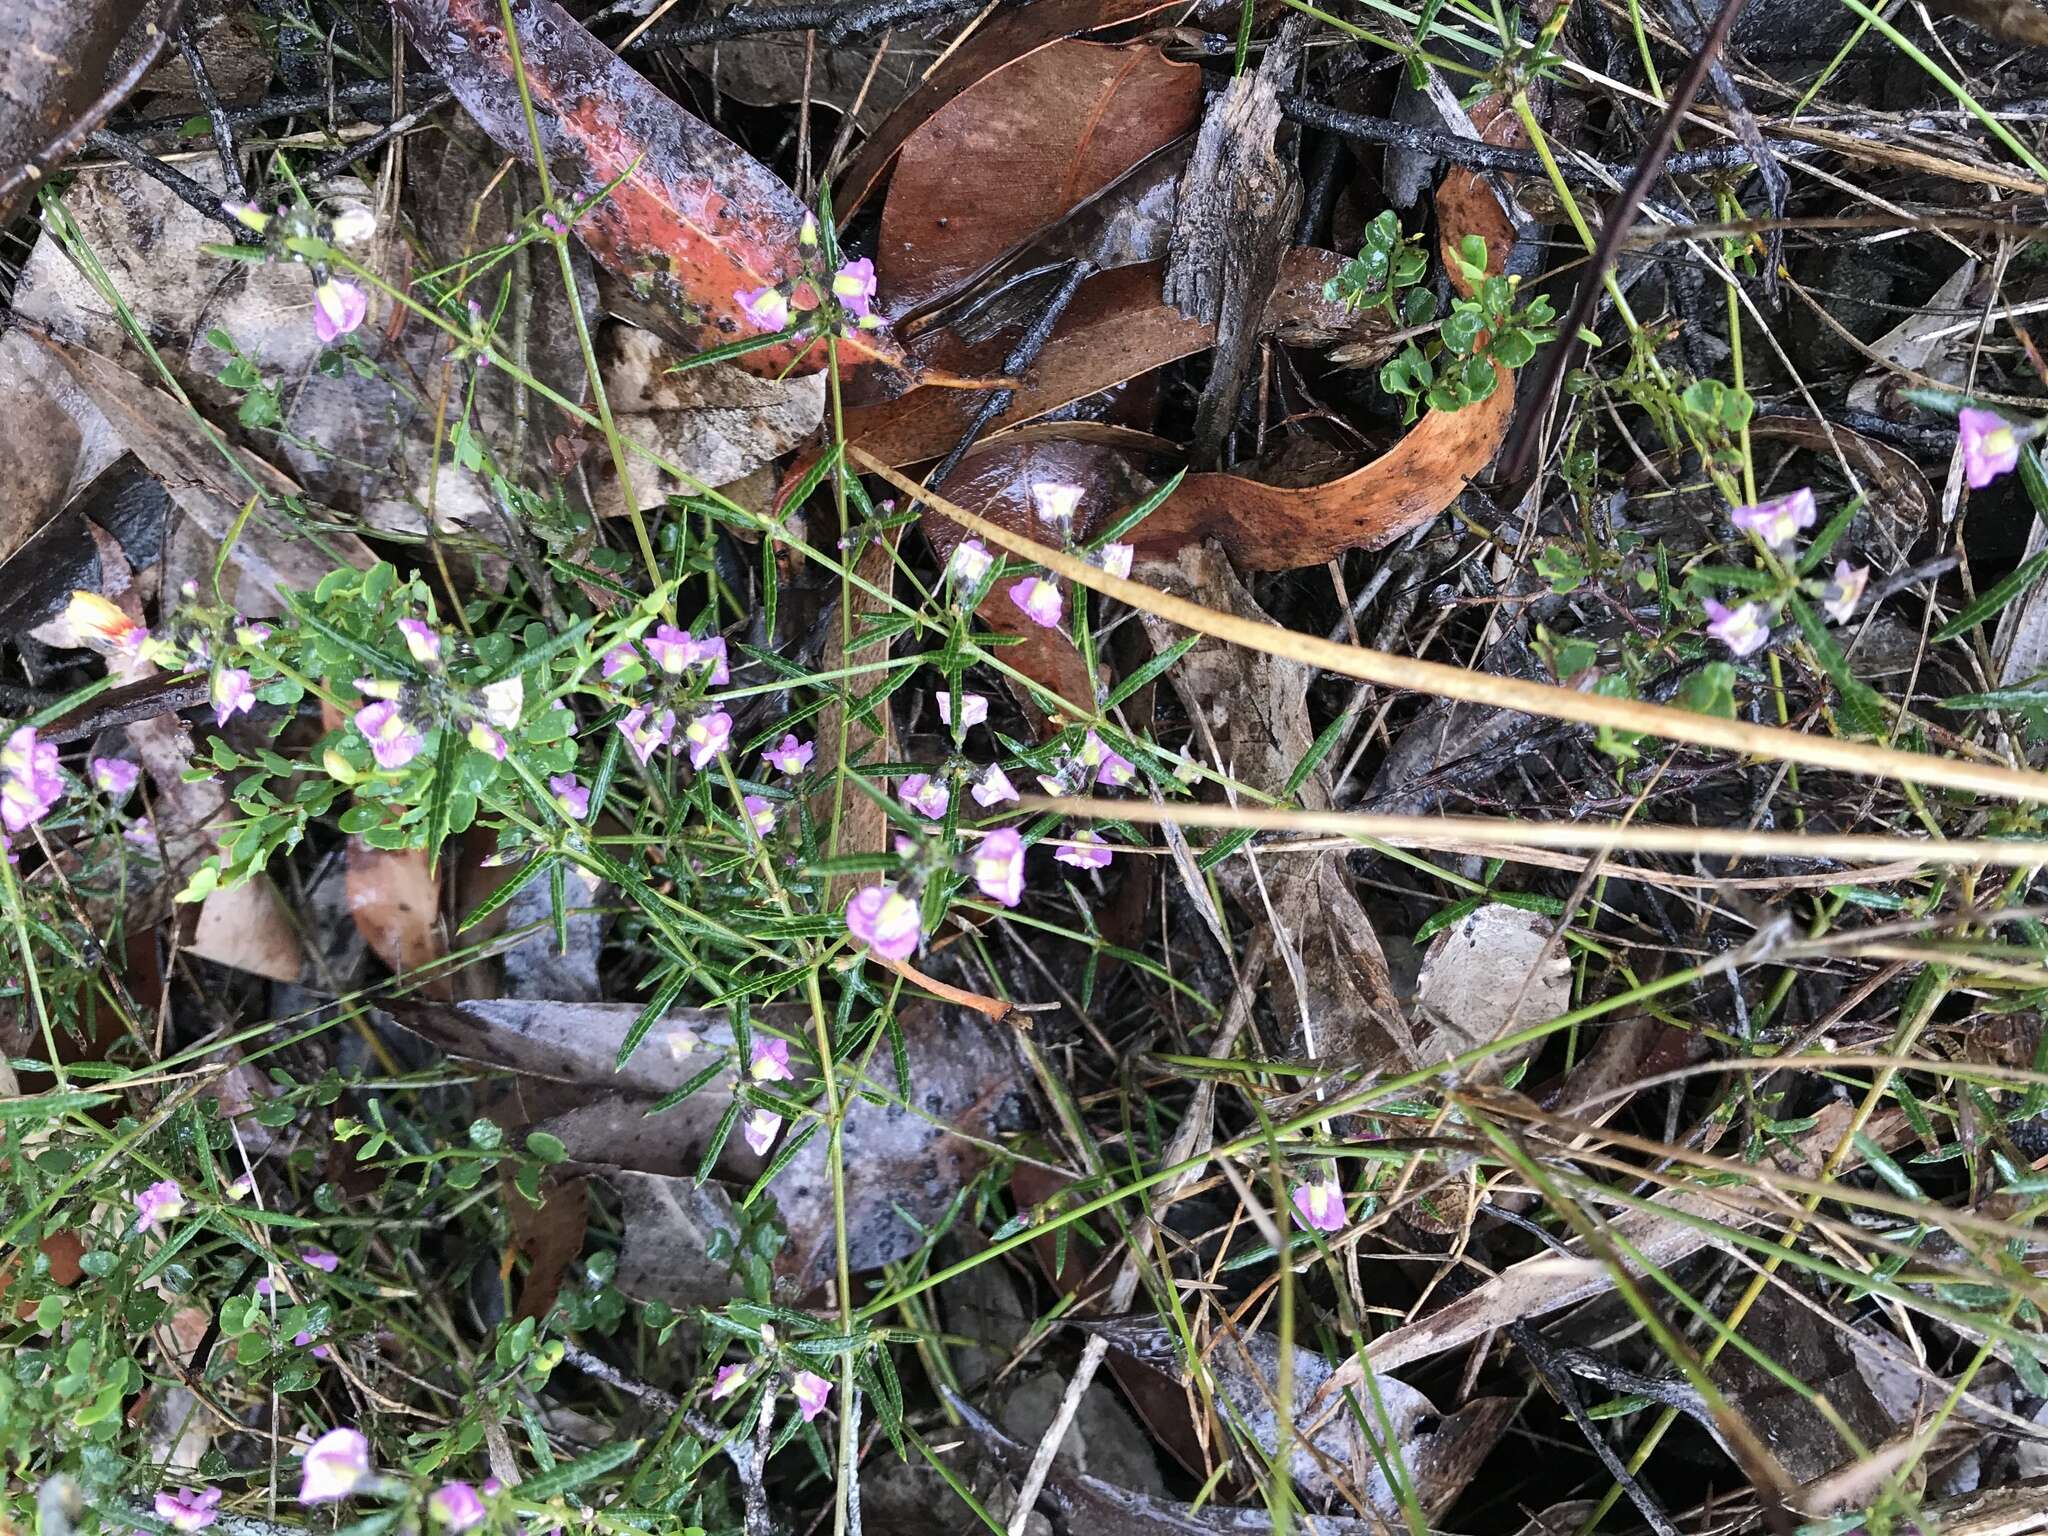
1558	1379
1021	356
1528	426
187	191
342	159
1777	185
360	93
217	114
1477	156
834	23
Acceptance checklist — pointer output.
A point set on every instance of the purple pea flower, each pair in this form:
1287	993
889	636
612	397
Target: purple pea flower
790	756
1116	559
811	1392
992	787
708	735
1991	446
999	866
189	1509
770	1062
671	649
339	307
421	640
1038	600
885	920
393	741
760	814
973	708
644	733
115	777
969	564
925	795
1777	522
854	286
1843	593
1057	504
730	1379
1111	767
29	782
1085	850
336	1465
1742	629
1319	1206
327	1263
760	1130
161	1202
231	694
457	1506
571	798
767	308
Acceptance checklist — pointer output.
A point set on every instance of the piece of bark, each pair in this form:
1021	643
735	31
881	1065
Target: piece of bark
1239	200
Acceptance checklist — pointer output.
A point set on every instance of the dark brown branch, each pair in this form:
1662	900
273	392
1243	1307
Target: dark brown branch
217	114
183	187
834	23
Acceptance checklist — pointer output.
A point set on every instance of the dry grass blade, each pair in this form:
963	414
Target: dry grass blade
1449	682
1457	833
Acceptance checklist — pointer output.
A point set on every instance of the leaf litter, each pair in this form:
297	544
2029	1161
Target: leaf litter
1451	1190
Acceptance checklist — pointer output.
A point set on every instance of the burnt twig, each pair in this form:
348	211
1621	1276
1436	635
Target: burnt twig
342	159
1020	357
1557	1377
834	23
1529	418
217	114
1777	185
187	191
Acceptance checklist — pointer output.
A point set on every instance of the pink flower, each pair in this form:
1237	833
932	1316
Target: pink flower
993	787
999	866
1990	445
339	307
1116	559
973	708
968	565
1741	629
712	649
885	920
487	741
1845	591
767	308
925	795
421	640
811	1392
671	649
708	735
770	1062
231	694
730	1379
760	1130
1111	767
1056	504
266	1286
114	777
617	659
336	1465
1320	1206
571	798
457	1506
321	1259
1780	521
552	222
760	814
393	741
643	734
163	1201
1084	851
1038	600
29	782
790	756
189	1509
854	285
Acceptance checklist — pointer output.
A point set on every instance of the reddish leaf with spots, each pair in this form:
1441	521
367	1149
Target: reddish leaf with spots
692	219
